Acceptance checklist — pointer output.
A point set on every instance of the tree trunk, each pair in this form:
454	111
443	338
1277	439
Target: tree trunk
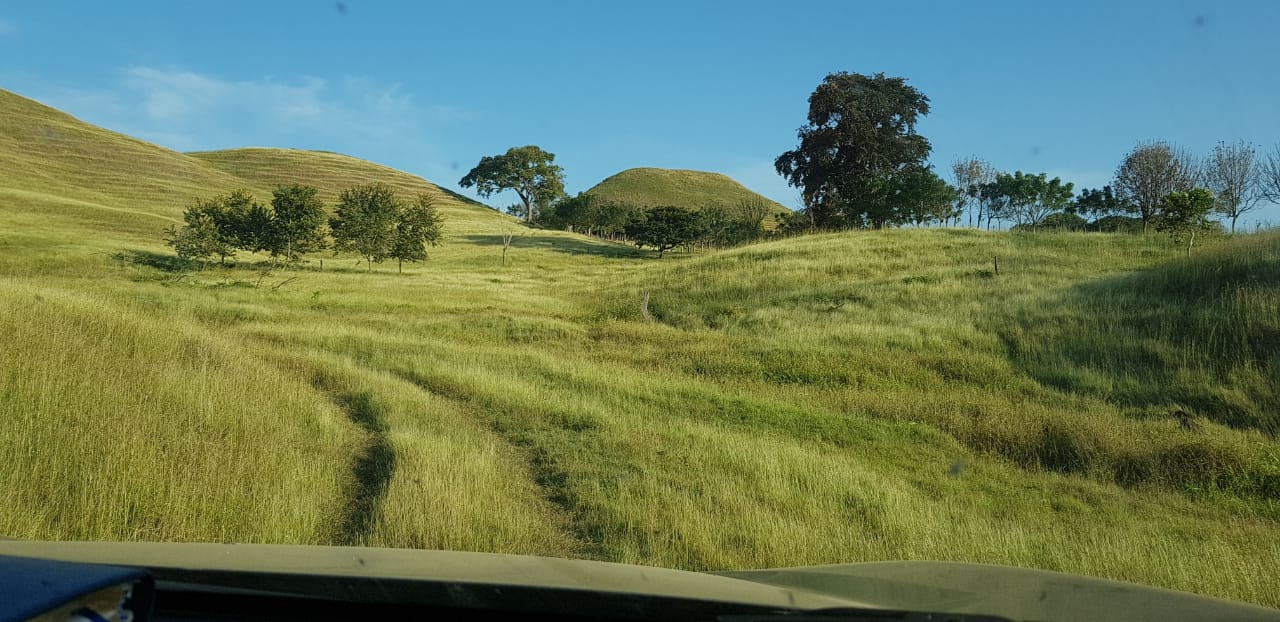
399	266
368	261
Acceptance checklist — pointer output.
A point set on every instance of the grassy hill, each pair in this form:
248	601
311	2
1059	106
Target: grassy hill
651	187
332	173
831	398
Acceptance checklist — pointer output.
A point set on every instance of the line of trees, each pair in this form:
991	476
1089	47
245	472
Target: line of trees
369	220
860	163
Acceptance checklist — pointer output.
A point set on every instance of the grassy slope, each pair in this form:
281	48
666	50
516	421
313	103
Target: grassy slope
332	173
650	187
53	158
822	399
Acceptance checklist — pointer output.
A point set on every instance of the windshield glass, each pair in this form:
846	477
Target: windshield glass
703	286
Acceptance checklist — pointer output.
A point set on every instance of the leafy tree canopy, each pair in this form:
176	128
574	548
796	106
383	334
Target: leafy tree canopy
861	131
419	225
1185	215
528	171
364	222
297	222
1149	173
665	228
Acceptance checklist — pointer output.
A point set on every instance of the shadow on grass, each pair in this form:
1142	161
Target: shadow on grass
159	261
1196	336
176	265
571	246
372	470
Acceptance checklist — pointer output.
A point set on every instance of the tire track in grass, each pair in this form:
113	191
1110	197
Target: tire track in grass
373	468
551	482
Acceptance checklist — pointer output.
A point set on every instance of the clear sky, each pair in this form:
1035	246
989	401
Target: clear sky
430	87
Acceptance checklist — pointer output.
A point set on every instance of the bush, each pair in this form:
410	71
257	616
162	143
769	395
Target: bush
1116	224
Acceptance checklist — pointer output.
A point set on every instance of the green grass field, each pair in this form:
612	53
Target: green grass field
829	398
693	190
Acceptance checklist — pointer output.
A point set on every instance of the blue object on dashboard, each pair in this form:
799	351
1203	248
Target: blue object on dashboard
31	587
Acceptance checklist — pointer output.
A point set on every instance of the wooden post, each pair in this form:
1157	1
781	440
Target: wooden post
996	262
644	307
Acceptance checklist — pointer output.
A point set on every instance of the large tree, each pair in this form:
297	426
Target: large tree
297	222
365	222
1150	172
861	131
1234	175
528	171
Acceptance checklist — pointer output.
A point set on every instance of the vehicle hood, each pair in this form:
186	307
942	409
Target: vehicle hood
1015	593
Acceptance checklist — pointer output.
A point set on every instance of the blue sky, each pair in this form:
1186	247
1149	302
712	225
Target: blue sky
430	87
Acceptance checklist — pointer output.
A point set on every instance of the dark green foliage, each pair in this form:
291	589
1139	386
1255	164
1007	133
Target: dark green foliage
1099	203
198	238
575	213
365	222
1148	173
1061	221
247	221
861	132
795	223
1116	224
297	222
665	228
219	226
730	226
1024	198
917	196
528	171
419	224
1185	215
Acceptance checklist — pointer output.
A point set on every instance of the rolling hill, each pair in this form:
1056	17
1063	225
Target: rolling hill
651	187
828	398
56	168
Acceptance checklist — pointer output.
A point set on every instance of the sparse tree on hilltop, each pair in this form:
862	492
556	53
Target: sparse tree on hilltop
1150	172
1232	172
1270	176
528	171
970	174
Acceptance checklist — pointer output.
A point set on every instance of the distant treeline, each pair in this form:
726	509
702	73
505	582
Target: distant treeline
369	220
